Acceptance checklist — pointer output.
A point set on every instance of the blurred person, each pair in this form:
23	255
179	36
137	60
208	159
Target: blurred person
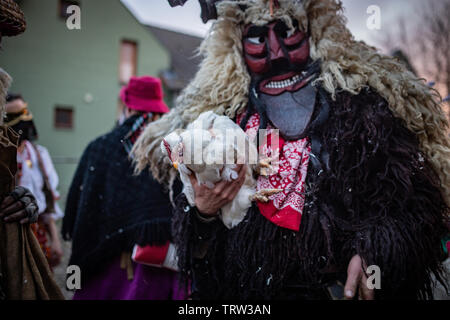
24	271
37	173
109	209
20	205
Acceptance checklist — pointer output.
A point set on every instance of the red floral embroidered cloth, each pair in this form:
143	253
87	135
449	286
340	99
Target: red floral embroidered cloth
289	167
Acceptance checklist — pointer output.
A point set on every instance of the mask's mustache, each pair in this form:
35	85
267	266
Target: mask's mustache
278	67
283	66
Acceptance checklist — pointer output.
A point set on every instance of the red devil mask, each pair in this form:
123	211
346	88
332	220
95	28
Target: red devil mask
275	56
282	74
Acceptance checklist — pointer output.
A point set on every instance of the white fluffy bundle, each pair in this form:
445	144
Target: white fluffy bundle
209	149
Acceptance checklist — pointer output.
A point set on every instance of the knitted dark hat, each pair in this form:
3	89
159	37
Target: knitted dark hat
12	20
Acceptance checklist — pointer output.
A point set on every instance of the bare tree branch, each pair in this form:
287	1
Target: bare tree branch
426	41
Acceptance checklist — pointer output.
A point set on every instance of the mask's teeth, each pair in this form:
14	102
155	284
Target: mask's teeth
283	84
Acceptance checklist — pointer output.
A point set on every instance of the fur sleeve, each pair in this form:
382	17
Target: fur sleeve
199	255
381	198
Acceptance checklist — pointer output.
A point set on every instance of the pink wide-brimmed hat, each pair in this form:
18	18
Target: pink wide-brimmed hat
144	94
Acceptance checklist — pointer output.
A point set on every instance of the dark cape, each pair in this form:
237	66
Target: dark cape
373	194
109	209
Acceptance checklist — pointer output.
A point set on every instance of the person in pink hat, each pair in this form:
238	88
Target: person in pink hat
142	95
110	210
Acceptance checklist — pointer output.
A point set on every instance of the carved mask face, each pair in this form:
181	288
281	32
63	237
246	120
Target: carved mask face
281	72
276	56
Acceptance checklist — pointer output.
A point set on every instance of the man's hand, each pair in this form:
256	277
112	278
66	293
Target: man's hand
19	206
357	281
209	201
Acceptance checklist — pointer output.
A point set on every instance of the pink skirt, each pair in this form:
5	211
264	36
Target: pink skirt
149	283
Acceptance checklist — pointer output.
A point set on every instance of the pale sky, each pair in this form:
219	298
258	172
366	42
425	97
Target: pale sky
187	19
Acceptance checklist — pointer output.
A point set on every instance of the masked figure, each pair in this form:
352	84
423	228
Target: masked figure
363	159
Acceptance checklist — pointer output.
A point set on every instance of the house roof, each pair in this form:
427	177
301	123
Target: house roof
184	61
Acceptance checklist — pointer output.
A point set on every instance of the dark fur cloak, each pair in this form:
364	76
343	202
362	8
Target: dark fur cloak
377	196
